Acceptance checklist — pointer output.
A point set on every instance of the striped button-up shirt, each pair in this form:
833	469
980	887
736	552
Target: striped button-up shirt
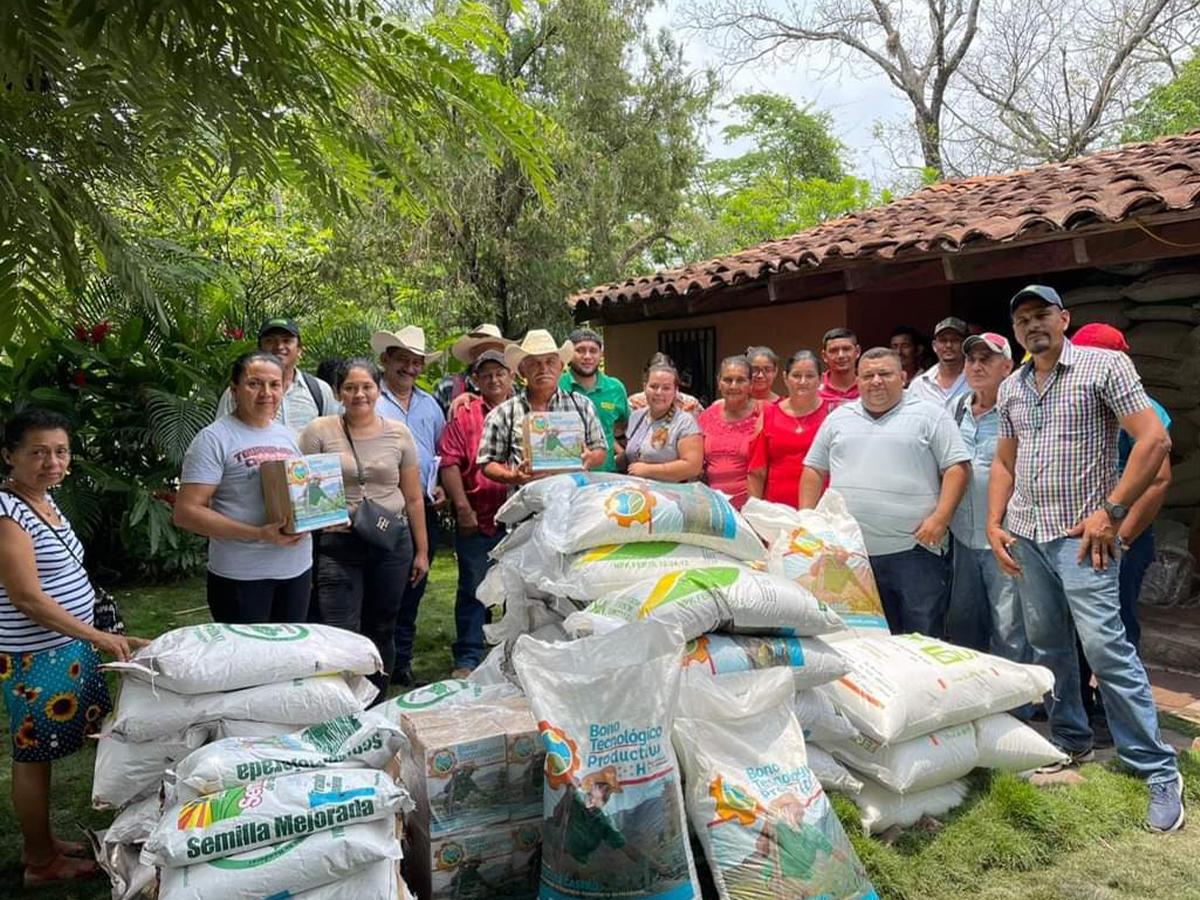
1066	437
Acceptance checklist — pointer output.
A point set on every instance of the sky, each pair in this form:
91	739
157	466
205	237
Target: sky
856	97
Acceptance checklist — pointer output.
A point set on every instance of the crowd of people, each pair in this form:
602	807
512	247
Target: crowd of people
1005	506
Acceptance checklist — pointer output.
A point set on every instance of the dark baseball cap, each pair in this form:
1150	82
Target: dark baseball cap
1041	292
488	356
951	323
291	326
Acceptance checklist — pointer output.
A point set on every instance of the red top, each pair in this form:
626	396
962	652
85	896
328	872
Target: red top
833	395
781	447
458	447
727	451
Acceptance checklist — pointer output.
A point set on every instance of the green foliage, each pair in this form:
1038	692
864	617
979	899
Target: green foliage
104	101
1170	108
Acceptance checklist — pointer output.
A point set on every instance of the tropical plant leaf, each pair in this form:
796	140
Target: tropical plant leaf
173	421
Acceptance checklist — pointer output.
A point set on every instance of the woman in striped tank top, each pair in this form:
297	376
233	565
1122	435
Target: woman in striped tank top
49	676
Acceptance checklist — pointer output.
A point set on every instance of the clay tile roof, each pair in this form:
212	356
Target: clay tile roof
1107	187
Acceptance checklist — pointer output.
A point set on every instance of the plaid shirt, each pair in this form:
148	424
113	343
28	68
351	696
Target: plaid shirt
503	438
1067	437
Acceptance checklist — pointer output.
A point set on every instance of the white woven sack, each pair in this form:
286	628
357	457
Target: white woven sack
448	694
594	573
713	598
631	509
290	868
348	742
228	728
126	770
821	720
146	714
750	793
1009	745
831	773
376	881
810	660
272	811
200	659
531	499
604	707
916	764
881	808
134	823
903	686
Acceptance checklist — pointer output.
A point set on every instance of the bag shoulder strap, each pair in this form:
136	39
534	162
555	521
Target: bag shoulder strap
960	407
49	527
314	388
362	478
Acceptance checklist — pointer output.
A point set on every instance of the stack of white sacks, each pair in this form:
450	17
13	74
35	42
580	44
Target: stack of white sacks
284	704
894	721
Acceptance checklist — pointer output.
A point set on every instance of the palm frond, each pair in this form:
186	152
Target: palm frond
173	421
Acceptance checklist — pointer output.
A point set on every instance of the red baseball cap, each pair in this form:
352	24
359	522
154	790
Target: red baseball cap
1105	337
997	343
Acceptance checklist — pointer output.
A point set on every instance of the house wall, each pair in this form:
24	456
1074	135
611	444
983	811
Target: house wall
873	316
783	327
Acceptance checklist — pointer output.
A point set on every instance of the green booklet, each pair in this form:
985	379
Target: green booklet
554	441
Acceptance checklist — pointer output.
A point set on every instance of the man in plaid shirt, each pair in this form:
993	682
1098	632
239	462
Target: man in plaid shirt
540	362
1055	504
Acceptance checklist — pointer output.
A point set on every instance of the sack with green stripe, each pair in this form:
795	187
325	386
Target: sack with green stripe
612	567
711	598
270	812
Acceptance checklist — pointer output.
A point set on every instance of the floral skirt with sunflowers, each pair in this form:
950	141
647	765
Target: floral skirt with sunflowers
55	699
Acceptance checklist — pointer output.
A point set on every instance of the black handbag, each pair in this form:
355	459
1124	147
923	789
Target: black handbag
377	526
106	614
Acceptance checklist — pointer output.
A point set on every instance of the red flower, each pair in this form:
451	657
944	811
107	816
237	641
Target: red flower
81	333
79	379
100	332
167	497
235	334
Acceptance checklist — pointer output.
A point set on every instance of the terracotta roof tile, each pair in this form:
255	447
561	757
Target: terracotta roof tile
1107	187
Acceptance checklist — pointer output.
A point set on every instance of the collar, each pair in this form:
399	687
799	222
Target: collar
1066	358
385	391
857	406
825	382
569	373
559	396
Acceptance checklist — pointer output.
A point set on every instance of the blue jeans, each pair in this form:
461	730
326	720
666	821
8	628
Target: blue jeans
469	614
1134	562
410	603
1056	589
914	586
985	612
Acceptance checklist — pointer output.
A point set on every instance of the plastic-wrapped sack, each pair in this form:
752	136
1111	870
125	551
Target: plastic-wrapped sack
376	881
271	811
613	817
146	713
821	720
913	765
766	826
497	667
288	868
823	550
349	742
713	598
810	660
632	510
524	614
228	728
881	808
133	824
906	685
199	659
1009	745
604	570
447	694
126	770
532	498
831	773
131	879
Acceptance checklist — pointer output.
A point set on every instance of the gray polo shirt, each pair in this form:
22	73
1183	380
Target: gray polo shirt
889	470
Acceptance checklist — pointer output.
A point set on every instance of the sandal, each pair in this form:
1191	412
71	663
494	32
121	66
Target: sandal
60	869
70	849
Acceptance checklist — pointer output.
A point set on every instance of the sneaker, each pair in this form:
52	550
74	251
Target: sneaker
1074	759
1166	806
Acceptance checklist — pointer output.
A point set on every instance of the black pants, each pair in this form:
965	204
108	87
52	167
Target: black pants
235	602
359	588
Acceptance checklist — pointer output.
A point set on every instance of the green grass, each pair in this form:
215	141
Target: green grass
1010	841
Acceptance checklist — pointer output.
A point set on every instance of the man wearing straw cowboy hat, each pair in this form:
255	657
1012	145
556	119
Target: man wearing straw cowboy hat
540	362
402	357
466	350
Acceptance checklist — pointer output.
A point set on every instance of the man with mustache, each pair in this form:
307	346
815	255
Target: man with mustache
1055	506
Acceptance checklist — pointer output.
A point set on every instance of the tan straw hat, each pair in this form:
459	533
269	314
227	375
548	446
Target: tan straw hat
482	337
537	342
410	338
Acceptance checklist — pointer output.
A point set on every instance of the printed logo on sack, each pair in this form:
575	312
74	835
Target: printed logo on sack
244	860
449	856
228	804
630	506
433	694
442	762
695	652
734	803
675	586
804	542
562	756
273	633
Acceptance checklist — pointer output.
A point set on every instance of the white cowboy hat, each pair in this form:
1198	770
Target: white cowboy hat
410	338
537	342
468	346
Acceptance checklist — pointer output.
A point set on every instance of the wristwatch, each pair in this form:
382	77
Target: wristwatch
1116	511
